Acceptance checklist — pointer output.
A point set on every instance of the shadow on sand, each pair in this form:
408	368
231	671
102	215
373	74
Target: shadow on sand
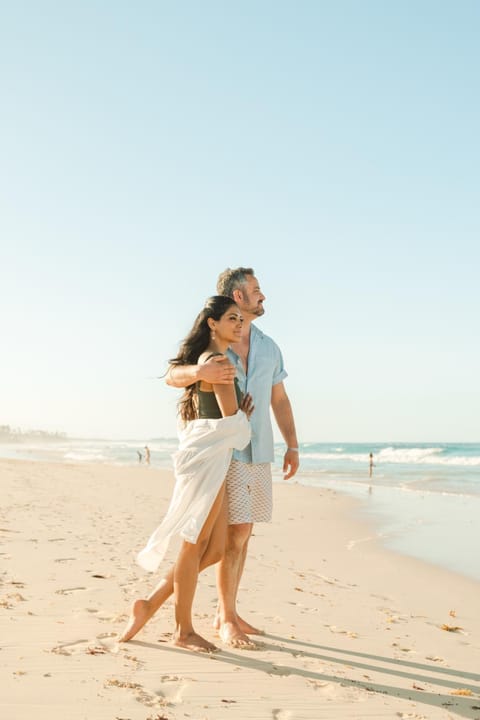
468	707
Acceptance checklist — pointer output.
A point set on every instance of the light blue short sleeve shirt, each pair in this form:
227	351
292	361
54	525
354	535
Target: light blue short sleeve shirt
265	369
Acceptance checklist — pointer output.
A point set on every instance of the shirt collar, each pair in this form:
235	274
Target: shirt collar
255	334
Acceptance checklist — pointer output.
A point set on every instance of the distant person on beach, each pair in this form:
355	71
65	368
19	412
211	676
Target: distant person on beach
258	362
371	465
147	454
139	456
215	420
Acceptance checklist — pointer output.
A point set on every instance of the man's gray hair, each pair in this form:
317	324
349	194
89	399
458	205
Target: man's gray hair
230	280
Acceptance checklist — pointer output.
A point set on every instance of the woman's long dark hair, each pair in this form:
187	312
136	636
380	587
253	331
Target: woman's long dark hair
195	344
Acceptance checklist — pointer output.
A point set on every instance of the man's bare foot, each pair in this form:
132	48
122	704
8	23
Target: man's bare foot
247	628
231	634
194	642
140	614
244	626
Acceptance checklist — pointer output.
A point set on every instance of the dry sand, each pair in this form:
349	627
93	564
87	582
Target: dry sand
353	630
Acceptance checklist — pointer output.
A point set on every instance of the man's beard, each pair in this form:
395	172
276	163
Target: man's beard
251	308
259	310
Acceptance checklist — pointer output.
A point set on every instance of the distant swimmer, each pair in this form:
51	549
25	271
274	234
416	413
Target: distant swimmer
139	456
371	465
147	454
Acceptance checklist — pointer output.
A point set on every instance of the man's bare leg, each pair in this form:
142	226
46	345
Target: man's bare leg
244	626
229	572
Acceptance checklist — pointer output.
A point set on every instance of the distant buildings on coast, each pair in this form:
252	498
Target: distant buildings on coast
9	434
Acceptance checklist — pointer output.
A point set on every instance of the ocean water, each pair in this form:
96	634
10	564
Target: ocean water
92	450
423	498
434	467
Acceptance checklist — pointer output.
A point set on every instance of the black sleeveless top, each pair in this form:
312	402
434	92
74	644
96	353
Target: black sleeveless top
207	406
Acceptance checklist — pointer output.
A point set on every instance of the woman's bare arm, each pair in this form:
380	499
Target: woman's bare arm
225	394
226	399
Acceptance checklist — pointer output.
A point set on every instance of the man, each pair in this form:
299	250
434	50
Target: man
258	364
259	369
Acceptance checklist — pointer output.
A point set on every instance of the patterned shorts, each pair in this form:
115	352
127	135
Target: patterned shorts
249	491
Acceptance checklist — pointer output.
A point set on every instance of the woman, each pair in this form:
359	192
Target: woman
214	422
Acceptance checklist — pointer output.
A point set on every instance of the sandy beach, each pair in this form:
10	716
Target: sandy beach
352	630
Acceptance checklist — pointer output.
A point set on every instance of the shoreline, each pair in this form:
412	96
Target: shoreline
417	522
353	629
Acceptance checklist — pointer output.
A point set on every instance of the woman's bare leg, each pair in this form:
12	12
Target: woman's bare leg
187	568
143	609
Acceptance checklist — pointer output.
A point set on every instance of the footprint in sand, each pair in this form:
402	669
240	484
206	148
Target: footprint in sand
108	617
435	658
170	693
173	688
67	648
381	597
64	559
393	616
316	684
149	699
277	619
341	631
108	642
279	714
8	601
69	591
278	671
101	645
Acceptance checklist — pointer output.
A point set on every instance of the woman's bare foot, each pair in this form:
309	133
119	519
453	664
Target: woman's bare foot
195	642
140	614
231	634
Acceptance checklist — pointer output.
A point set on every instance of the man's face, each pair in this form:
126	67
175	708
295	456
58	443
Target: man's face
250	298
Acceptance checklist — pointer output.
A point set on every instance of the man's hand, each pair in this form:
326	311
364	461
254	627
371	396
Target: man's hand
217	371
291	461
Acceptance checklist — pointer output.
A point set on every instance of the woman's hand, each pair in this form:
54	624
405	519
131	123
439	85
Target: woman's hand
247	405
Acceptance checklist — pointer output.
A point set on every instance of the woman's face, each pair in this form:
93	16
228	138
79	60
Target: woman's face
229	327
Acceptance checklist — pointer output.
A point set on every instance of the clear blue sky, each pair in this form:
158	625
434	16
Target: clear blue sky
334	146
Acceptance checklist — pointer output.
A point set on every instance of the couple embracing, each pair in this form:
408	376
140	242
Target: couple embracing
231	374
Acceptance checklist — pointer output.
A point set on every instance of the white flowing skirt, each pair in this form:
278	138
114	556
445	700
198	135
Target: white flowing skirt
200	466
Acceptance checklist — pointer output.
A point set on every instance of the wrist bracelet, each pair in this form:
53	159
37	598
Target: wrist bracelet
293	449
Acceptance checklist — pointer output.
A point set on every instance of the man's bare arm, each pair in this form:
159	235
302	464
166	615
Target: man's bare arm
282	410
216	371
